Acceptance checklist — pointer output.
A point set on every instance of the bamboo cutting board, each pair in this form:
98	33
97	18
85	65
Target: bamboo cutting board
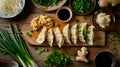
99	35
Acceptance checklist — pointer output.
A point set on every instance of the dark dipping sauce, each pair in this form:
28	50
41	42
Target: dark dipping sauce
64	14
104	59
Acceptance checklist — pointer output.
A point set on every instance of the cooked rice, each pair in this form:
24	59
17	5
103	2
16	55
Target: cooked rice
10	7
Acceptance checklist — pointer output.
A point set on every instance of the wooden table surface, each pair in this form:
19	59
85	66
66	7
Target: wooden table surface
30	9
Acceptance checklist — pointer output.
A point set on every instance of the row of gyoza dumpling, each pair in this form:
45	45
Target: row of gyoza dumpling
67	34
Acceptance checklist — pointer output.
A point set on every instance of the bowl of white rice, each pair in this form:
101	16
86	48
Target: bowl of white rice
11	8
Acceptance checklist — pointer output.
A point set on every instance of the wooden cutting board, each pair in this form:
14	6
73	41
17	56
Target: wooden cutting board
99	35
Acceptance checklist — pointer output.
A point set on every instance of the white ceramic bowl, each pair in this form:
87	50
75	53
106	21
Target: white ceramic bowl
49	8
13	64
14	15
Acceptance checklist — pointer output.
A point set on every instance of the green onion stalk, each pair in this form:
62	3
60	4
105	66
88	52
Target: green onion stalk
15	46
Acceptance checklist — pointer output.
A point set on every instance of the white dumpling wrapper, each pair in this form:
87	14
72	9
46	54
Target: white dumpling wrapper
59	37
66	33
41	36
74	33
81	30
90	34
50	37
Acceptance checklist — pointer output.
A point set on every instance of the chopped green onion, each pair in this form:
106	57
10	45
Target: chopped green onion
57	24
42	50
47	3
79	28
76	20
28	34
58	59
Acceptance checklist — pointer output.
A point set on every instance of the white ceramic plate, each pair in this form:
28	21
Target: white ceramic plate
50	8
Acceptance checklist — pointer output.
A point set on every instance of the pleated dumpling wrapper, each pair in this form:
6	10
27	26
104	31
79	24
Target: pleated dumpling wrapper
42	36
66	33
59	37
74	33
90	35
82	30
50	37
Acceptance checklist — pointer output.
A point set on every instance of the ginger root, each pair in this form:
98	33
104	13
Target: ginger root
82	55
105	3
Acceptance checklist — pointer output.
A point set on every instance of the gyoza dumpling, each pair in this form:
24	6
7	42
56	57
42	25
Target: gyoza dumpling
41	36
59	37
50	37
82	30
90	35
74	33
66	33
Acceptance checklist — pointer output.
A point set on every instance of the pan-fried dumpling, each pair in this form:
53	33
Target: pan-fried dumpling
66	33
50	37
82	30
90	35
59	37
74	33
41	36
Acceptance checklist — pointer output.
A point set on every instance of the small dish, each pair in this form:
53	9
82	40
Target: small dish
22	5
64	14
85	13
49	8
13	64
108	12
105	59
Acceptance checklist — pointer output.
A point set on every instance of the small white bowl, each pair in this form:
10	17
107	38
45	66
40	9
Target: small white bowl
16	14
13	64
70	14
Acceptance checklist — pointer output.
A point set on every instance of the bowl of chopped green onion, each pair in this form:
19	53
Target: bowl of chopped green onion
82	7
48	5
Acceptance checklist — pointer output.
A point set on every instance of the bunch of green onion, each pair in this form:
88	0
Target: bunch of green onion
15	46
